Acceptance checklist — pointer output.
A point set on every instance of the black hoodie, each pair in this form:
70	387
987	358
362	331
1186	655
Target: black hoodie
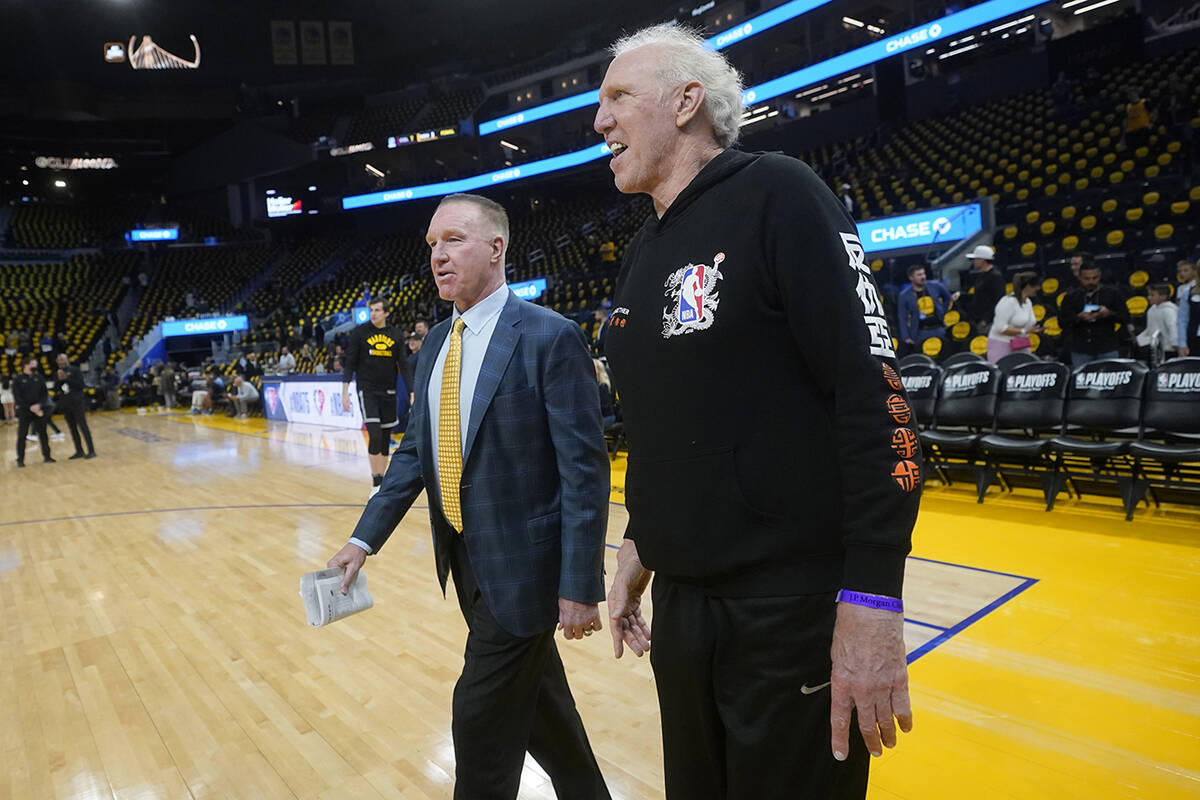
772	450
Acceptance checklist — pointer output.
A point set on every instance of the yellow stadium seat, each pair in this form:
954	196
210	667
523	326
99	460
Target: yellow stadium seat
1180	208
1127	165
1010	232
1116	177
1164	232
1173	147
1028	249
1051	189
1039	312
931	346
1134	214
978	345
1115	238
1137	305
1152	171
1194	194
1022	194
1036	183
960	330
1108	158
1150	198
1108	206
1139	278
1069	243
1047	228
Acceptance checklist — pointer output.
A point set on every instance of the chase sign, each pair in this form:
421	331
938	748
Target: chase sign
925	228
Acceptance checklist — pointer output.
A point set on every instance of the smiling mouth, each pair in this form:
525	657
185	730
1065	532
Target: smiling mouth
617	148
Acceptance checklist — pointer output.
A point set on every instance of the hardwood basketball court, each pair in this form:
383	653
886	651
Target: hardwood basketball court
155	645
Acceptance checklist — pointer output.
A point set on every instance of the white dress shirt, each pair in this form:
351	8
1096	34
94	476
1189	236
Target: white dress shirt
480	323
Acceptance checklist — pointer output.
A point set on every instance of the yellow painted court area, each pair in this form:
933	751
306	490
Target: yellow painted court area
154	644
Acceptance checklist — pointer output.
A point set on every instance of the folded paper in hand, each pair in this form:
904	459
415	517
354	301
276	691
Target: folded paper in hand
323	599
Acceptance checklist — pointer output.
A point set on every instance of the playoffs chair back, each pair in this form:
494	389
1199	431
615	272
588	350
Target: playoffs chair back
1033	396
1106	395
921	383
1105	398
1173	397
968	395
1167	466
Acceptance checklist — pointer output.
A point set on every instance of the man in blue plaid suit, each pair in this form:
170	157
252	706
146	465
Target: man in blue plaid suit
528	553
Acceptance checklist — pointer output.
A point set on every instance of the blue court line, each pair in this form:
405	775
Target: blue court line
945	636
947	633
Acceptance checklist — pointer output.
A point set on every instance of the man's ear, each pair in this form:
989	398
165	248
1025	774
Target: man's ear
688	103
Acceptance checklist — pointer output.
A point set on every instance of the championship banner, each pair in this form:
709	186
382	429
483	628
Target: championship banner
341	43
283	42
312	41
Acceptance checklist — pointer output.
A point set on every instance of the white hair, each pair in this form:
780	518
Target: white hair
685	57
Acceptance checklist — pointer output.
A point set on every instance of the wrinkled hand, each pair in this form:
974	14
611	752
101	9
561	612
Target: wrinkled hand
577	620
346	403
870	675
350	558
36	409
627	624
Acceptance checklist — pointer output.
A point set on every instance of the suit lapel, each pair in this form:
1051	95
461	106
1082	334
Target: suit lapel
495	362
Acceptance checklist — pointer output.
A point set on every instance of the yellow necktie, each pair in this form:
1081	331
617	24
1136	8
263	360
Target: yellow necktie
449	453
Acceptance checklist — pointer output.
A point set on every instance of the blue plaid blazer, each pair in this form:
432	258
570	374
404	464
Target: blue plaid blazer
535	482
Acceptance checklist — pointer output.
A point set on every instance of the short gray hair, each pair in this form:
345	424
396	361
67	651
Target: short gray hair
686	57
493	212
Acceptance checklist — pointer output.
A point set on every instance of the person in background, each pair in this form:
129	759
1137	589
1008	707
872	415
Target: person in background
604	384
7	402
31	398
1162	322
242	394
166	385
1189	309
1090	314
921	308
73	403
1014	320
287	363
980	305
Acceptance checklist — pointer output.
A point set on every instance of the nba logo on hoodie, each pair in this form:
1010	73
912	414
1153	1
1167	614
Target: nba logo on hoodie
692	298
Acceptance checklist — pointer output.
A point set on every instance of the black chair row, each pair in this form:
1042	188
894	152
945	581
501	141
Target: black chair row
1112	427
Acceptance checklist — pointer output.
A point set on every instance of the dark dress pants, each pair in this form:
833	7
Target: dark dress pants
744	695
513	697
24	421
76	416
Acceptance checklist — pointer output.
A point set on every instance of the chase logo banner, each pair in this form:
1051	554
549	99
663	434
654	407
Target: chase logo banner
939	226
193	327
692	298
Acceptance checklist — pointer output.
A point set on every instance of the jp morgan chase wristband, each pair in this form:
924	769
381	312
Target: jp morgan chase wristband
870	601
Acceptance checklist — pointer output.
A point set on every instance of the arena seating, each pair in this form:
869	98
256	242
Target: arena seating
45	225
381	121
65	302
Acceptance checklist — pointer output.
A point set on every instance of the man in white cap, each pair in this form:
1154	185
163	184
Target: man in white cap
979	306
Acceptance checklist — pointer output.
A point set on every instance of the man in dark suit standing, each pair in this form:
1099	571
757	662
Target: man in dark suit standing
505	434
29	391
74	406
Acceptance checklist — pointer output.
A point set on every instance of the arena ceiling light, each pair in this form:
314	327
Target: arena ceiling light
1094	6
738	33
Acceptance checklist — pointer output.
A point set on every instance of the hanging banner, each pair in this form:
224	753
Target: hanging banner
283	42
312	41
341	43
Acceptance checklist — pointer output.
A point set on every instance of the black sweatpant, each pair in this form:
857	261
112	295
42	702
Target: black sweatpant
512	697
744	695
76	416
24	421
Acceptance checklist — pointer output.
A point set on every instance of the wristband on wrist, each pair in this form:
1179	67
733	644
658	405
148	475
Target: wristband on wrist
878	601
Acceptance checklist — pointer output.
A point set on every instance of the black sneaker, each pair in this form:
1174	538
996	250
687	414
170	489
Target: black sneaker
90	455
48	460
77	455
20	463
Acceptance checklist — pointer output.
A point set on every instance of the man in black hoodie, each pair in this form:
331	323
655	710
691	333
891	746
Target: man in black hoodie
776	526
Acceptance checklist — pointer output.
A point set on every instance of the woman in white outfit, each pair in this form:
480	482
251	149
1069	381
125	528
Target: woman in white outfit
1014	320
6	399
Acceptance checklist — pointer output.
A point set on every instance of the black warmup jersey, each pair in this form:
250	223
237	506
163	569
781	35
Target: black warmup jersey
29	390
376	356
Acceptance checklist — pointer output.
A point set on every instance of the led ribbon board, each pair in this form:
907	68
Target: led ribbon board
154	234
738	33
863	56
921	36
197	327
925	228
478	181
529	290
